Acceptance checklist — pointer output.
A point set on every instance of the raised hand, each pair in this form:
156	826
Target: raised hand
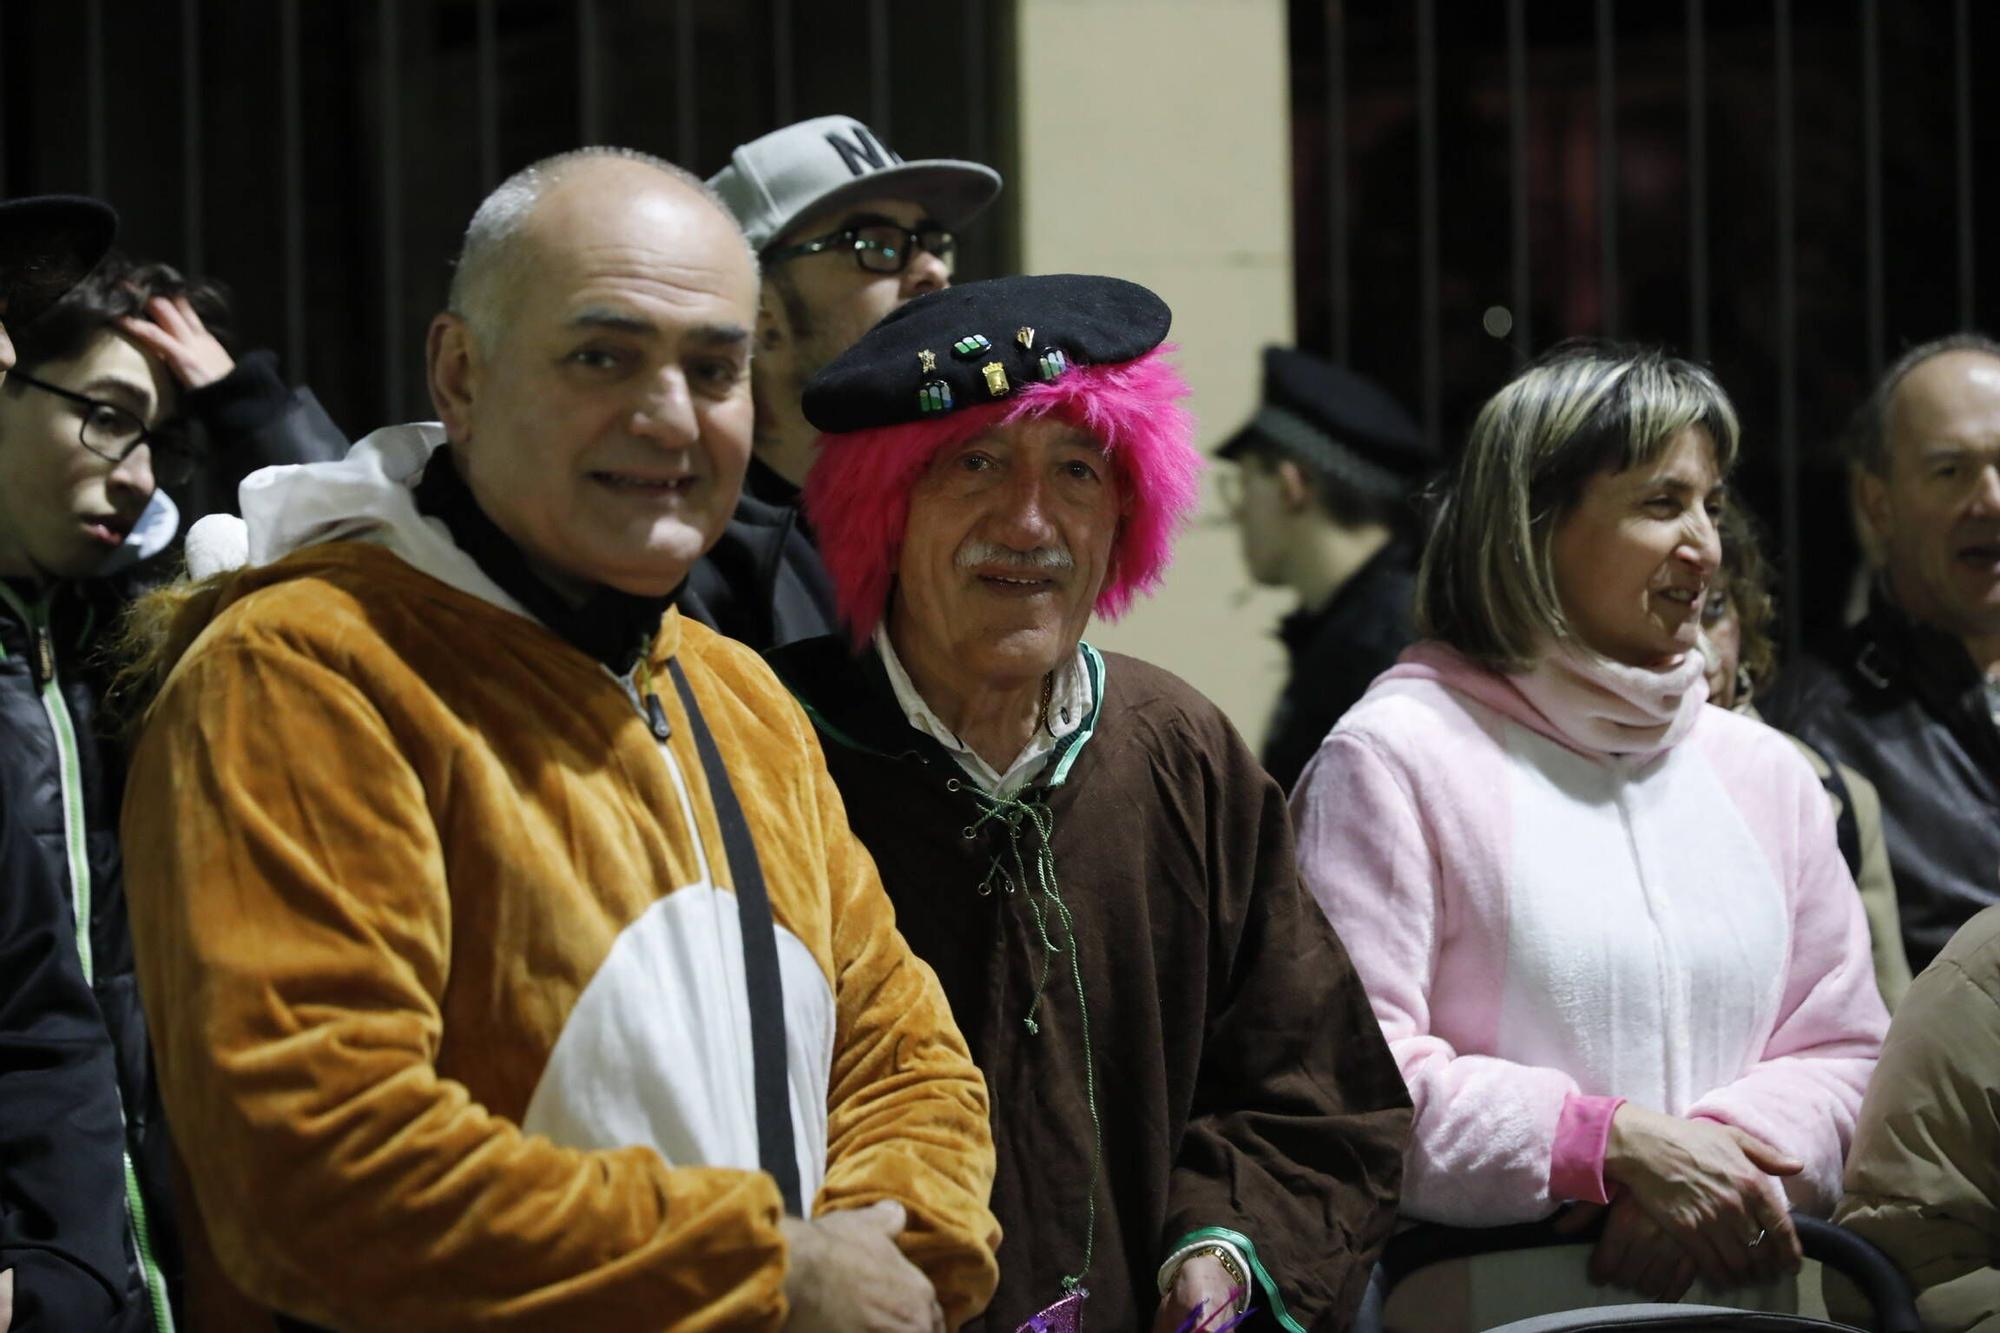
173	333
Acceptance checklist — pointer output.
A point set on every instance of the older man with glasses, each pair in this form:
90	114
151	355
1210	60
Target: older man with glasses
846	231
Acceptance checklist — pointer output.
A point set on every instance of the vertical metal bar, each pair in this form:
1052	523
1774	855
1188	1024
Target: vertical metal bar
1788	424
95	144
389	59
1871	180
1697	86
589	74
290	97
192	224
878	69
1517	150
1336	178
782	99
489	95
684	103
1427	211
1607	168
1962	33
6	186
979	135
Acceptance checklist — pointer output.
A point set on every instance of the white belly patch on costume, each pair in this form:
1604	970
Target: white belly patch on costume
657	1051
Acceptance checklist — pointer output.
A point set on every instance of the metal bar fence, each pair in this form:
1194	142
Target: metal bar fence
1432	393
1787	331
1520	274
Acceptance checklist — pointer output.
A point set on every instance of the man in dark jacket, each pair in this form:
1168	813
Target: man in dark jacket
62	1220
1909	697
846	231
1192	1104
1321	496
90	434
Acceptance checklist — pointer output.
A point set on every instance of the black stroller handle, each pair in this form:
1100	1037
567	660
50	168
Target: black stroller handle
1888	1292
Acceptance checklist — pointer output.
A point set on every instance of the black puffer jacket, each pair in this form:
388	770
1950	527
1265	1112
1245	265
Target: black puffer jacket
62	1215
762	583
62	803
1905	706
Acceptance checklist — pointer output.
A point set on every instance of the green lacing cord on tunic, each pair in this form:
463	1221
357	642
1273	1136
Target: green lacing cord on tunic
1044	897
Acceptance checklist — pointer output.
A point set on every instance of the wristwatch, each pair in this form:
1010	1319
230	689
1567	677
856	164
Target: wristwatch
1221	1254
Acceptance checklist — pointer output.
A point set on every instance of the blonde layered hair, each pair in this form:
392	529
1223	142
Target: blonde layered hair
1487	583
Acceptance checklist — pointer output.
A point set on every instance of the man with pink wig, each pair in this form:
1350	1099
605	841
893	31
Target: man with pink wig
1192	1107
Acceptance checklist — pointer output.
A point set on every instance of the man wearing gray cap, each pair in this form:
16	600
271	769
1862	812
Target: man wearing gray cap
847	231
1321	497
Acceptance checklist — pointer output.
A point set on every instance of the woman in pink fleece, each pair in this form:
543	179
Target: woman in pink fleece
1607	931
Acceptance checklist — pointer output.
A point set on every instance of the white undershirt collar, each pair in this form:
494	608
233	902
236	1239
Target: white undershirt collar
1070	703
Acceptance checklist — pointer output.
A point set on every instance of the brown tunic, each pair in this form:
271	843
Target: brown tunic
1241	1079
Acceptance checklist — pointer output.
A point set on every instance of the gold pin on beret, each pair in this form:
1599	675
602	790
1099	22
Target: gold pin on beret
996	379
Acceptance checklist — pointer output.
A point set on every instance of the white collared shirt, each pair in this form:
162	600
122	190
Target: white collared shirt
1070	701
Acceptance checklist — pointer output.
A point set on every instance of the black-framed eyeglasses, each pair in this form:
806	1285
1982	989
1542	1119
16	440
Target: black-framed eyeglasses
878	247
112	432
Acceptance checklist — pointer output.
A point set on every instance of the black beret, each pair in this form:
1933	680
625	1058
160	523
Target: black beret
971	344
1327	415
46	245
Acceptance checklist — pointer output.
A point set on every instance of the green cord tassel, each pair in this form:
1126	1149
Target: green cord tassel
1010	870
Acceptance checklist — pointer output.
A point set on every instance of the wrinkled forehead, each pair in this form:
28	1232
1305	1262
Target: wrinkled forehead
1052	433
1953	394
664	247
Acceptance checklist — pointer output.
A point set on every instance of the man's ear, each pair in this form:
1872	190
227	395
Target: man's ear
452	364
1293	486
1873	516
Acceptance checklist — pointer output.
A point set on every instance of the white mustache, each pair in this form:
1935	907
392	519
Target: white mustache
975	554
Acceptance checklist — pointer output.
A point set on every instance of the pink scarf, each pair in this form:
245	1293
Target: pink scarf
1604	707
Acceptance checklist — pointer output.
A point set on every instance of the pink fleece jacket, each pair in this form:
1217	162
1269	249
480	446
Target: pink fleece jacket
1545	932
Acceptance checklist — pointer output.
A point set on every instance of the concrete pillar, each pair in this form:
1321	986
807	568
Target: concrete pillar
1154	145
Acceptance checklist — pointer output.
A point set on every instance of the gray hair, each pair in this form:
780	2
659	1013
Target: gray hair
1487	583
490	259
1866	442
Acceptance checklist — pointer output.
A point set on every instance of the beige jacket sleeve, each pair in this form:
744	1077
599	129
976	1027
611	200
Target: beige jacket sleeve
1877	885
1872	877
1923	1179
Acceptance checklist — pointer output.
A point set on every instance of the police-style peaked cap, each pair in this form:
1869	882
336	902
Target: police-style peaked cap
980	342
1325	414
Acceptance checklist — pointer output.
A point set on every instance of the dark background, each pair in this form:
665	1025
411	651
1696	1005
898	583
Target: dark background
1795	253
322	157
1794	188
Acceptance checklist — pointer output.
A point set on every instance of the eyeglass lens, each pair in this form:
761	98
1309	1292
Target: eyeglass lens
113	433
885	249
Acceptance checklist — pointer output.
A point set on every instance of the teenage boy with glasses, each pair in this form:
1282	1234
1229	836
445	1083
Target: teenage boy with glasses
846	231
92	408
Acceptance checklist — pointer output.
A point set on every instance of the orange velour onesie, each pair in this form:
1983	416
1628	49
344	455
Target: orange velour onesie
444	974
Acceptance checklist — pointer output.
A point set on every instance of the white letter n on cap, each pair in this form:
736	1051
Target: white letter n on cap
864	154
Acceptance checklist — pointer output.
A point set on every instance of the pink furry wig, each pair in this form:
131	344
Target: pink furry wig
858	492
